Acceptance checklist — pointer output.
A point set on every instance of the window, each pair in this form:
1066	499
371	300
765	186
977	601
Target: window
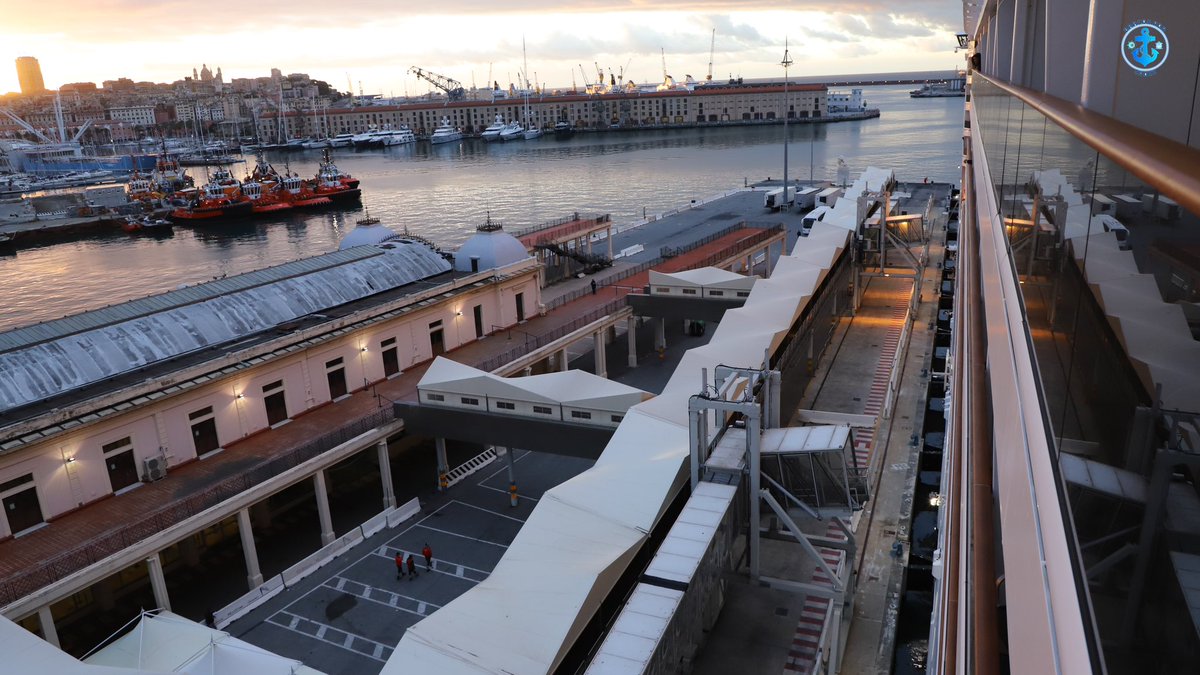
716	293
743	294
16	482
689	291
469	401
617	418
435	324
662	289
581	415
542	410
200	413
505	405
434	397
334	363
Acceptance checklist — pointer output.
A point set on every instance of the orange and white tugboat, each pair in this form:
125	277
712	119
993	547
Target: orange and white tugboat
332	183
217	201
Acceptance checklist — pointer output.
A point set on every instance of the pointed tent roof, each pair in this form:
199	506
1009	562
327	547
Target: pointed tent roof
573	387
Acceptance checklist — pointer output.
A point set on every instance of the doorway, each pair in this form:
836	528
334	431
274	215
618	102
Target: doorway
478	321
20	504
119	461
275	403
391	357
335	376
520	307
204	431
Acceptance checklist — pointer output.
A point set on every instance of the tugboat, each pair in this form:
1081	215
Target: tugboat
146	224
295	193
215	203
332	183
264	201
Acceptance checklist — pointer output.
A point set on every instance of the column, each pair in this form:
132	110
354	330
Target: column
608	236
631	336
660	336
598	349
385	474
589	242
158	583
46	618
443	464
249	550
527	371
562	361
323	508
1017	66
1101	60
512	476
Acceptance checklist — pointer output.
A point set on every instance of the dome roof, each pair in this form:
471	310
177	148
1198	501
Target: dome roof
493	247
368	232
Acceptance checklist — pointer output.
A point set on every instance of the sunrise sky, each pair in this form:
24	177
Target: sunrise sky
375	41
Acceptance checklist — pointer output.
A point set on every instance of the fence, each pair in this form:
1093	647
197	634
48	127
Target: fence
534	342
108	543
602	218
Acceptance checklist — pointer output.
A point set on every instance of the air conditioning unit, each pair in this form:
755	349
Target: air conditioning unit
155	468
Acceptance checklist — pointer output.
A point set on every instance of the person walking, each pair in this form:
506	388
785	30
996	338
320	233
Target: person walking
412	567
399	565
428	553
593	286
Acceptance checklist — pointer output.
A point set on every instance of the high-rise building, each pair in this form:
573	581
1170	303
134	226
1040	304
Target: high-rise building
29	74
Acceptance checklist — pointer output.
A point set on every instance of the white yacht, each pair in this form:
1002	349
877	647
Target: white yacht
401	136
445	133
513	131
341	140
533	132
492	133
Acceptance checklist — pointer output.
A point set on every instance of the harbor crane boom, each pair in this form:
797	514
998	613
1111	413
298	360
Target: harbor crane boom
453	88
711	48
25	125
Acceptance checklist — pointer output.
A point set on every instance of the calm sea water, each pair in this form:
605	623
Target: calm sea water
443	192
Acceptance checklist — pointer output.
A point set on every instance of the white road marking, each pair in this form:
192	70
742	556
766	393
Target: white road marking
480	508
463	536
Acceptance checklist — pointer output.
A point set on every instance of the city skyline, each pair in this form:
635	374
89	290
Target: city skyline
77	42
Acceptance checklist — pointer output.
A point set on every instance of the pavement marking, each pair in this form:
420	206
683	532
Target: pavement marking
463	536
504	468
316	630
480	508
460	571
396	600
504	492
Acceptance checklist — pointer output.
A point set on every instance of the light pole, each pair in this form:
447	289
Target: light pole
787	61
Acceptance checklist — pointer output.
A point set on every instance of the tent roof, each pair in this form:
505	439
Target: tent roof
572	387
705	276
25	652
171	643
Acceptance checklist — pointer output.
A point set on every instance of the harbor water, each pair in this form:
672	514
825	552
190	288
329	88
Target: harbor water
442	192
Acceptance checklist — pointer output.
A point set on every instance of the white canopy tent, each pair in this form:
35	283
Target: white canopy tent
25	652
166	642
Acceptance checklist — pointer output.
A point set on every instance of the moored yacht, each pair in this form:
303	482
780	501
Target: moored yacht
563	129
445	133
341	140
513	131
492	133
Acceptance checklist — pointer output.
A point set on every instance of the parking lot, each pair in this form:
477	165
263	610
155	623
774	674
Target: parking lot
348	615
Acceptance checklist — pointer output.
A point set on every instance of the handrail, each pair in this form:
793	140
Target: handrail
1169	166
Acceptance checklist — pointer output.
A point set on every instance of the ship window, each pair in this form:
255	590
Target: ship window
434	397
505	405
580	415
542	410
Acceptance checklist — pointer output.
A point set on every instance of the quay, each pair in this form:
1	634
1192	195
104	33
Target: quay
291	509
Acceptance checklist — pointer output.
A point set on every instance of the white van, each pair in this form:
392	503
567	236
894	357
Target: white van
1113	225
813	217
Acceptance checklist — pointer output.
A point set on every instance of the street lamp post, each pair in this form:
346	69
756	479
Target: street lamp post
787	61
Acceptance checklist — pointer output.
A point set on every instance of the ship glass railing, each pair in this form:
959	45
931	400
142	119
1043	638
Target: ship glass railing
1103	238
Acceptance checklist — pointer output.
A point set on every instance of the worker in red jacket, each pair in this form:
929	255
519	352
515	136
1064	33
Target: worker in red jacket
399	565
428	553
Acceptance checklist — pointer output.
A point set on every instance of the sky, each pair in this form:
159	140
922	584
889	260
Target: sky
374	42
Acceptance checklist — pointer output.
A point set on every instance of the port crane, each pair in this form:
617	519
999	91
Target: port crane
711	48
453	88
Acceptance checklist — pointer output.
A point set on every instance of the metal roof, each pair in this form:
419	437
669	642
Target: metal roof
83	350
78	323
